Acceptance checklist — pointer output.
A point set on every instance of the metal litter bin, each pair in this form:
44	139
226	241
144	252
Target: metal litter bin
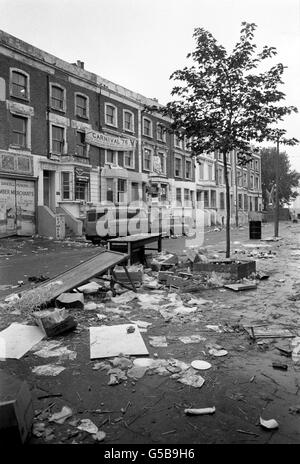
255	230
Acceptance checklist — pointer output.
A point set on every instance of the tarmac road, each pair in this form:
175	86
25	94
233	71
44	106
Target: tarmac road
242	385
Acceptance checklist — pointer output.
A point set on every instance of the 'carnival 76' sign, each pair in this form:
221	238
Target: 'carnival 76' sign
109	142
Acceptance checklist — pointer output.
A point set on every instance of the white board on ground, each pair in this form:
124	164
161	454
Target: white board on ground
107	341
17	339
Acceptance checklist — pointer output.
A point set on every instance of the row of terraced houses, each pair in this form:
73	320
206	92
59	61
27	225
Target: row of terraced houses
70	140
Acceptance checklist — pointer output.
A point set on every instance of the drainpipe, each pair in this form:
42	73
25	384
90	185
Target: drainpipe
47	114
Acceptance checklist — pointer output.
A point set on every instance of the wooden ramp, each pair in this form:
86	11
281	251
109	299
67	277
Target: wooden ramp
83	272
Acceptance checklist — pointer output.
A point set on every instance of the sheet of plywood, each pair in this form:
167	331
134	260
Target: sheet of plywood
239	287
17	339
107	341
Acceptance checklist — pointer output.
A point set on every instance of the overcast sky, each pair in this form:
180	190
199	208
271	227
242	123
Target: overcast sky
139	43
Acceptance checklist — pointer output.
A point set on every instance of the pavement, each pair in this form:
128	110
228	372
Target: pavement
242	385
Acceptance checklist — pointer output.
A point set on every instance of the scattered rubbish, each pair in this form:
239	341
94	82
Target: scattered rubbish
295	344
116	376
17	339
70	300
200	412
142	324
130	329
90	306
125	297
218	353
54	322
263	277
108	341
121	362
215	328
158	341
268	332
16	409
192	379
99	436
200	365
12	298
101	365
60	417
284	351
143	362
240	287
37	279
247	433
192	339
137	372
86	425
48	370
279	365
52	349
89	288
269	424
294	409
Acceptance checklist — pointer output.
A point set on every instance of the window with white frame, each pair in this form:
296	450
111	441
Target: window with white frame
256	182
256	165
111	115
178	141
245	179
81	190
240	201
188	142
201	171
147	127
160	132
19	131
222	200
188	169
111	156
58	139
220	176
213	199
57	97
252	182
19	84
246	202
210	172
178	167
128	159
147	159
66	185
128	121
81	105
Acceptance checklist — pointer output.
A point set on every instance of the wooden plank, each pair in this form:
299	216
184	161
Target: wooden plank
134	238
83	272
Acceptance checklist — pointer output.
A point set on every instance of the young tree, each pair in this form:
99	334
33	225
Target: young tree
223	105
288	178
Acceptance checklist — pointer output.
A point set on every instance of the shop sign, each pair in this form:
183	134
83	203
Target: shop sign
21	164
110	142
81	174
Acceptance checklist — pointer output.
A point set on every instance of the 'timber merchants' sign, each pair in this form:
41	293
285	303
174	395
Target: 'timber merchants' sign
110	142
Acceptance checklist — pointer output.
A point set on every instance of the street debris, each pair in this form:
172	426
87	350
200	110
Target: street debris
143	362
192	339
200	412
89	288
200	365
54	322
279	365
192	379
108	341
99	436
158	341
90	306
86	425
269	331
294	409
17	339
215	328
38	279
60	417
270	424
137	372
52	349
240	287
70	300
295	344
48	370
116	376
218	353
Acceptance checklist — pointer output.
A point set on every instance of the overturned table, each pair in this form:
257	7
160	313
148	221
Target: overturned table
135	245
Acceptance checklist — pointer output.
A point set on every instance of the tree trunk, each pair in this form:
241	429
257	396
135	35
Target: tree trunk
227	206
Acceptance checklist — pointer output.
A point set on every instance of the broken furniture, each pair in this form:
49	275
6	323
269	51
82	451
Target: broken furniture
16	410
235	269
134	245
104	262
